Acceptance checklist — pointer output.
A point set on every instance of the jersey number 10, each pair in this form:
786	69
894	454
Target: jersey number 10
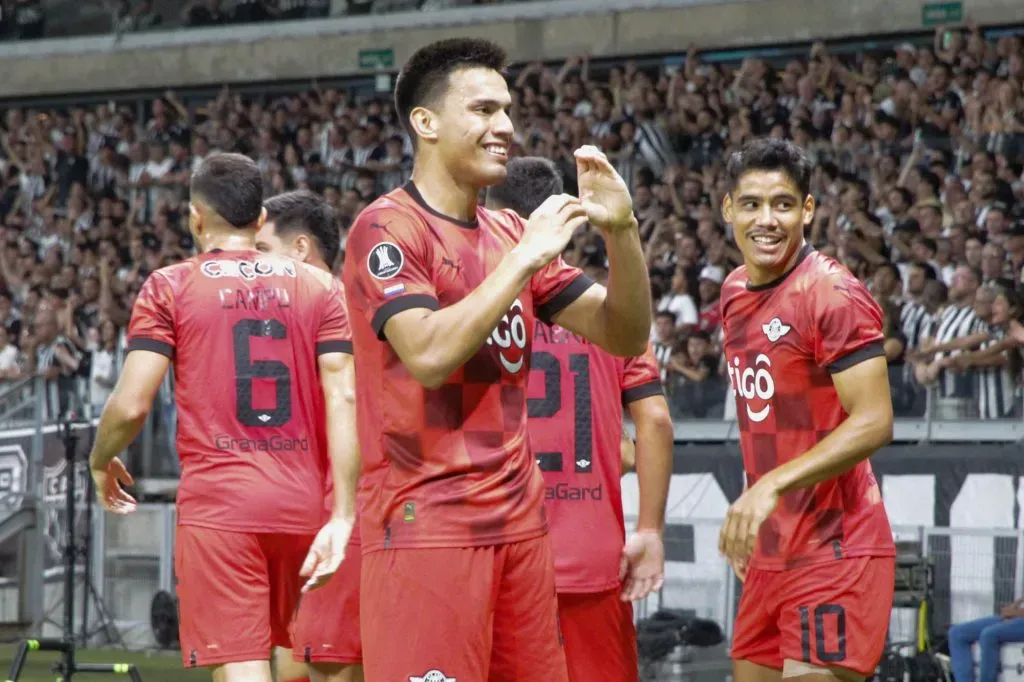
551	404
246	370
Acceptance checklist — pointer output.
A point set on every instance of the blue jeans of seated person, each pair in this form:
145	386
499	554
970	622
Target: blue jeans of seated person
990	633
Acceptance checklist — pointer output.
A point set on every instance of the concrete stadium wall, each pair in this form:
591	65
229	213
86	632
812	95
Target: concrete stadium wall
303	50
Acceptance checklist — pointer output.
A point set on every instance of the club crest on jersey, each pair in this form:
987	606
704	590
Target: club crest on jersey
754	386
432	676
775	330
510	338
385	260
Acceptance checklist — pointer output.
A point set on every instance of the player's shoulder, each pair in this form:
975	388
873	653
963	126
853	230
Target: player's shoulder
504	220
319	277
391	212
735	281
733	286
825	273
175	274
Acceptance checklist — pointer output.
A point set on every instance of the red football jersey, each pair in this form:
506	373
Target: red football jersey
244	330
782	342
449	467
576	395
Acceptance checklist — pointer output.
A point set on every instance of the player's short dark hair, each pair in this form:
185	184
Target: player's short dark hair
768	154
308	213
530	180
231	185
424	78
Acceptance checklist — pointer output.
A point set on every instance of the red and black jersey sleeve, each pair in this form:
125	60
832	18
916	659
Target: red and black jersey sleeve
334	335
640	378
388	266
847	322
152	324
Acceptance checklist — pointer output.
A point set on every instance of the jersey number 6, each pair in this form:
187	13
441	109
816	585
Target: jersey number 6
246	370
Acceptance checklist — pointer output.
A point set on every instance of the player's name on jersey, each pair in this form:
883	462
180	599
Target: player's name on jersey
256	299
556	335
248	269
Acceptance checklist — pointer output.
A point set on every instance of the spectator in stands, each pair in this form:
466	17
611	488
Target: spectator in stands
679	302
919	151
990	634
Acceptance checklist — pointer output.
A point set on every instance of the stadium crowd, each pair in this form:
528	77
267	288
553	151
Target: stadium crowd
919	155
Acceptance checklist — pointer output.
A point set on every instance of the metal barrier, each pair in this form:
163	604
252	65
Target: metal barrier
975	571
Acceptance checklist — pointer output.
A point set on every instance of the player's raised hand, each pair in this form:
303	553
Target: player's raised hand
326	553
642	567
108	482
603	192
743	522
550	228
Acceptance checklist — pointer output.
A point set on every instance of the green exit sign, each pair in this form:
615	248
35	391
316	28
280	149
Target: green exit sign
377	59
938	13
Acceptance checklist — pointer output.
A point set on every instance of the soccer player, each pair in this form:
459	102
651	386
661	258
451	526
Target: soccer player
443	295
577	392
249	335
302	226
809	536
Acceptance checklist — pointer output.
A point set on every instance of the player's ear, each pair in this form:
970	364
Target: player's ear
302	247
809	210
262	219
195	219
424	123
727	213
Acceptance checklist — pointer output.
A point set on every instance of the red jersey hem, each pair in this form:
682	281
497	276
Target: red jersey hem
814	559
443	543
261	529
586	588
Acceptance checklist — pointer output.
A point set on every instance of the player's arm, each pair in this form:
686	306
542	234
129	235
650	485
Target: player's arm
627	449
433	342
847	328
151	345
128	407
616	318
337	378
863	390
654	441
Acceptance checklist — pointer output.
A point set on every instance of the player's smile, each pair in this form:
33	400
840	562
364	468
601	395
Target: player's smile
498	150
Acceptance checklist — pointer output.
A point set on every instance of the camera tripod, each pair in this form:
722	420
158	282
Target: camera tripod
67	667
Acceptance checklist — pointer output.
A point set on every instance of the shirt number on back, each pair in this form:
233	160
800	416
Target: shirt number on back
246	370
551	404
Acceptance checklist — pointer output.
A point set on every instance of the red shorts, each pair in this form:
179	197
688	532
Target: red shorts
828	614
237	593
475	613
600	637
326	629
